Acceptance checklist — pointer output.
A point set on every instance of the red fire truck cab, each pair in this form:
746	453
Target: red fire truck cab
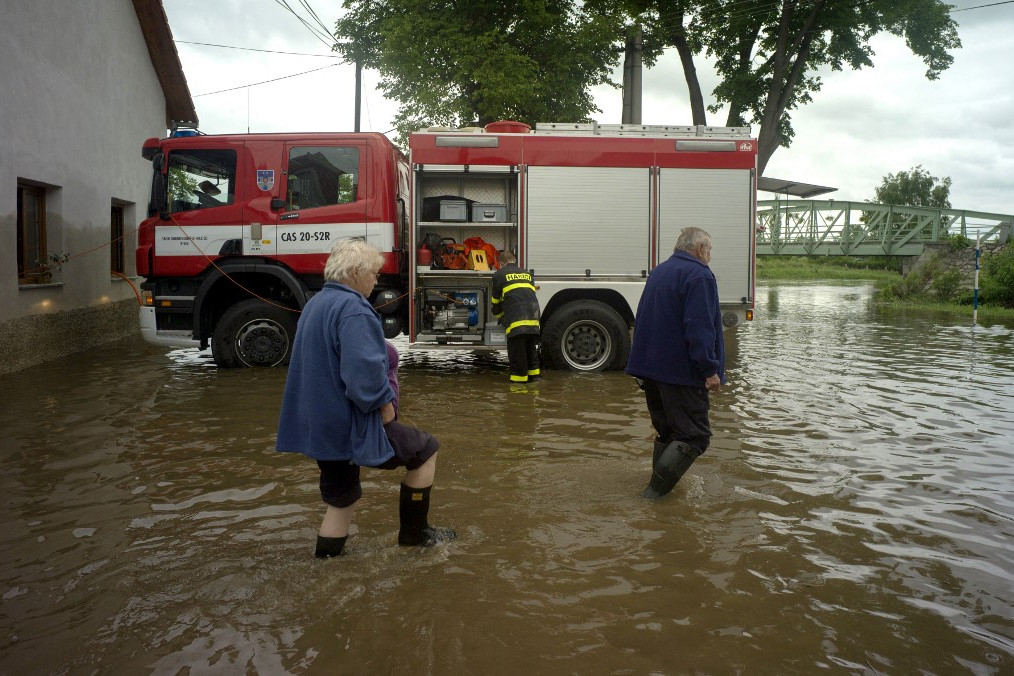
239	228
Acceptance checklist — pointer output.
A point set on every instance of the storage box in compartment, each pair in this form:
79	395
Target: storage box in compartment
494	335
490	213
453	210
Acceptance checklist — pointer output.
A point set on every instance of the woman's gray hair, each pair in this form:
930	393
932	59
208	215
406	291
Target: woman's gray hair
350	257
691	238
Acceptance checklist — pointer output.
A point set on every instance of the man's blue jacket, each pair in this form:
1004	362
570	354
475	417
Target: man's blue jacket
337	381
678	329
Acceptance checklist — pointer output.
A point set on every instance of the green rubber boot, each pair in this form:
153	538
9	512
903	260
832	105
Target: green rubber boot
659	447
669	467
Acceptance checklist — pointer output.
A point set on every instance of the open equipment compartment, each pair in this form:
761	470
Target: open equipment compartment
455	203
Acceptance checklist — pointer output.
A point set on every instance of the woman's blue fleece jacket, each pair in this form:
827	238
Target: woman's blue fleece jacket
678	330
337	381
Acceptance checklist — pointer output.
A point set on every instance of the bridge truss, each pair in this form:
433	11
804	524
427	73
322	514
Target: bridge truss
836	228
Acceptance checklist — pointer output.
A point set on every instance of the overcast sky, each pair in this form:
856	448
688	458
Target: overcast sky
861	126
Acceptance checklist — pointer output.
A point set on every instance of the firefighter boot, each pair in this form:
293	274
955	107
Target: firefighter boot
672	463
328	547
415	530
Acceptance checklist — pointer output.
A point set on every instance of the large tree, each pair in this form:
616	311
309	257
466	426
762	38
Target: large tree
463	61
460	62
914	188
768	52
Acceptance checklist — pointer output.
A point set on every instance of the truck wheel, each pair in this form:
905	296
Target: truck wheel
253	333
586	335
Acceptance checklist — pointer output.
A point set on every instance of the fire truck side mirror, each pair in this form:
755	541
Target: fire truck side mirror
157	205
277	203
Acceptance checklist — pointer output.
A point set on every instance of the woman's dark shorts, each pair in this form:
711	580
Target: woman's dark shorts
339	479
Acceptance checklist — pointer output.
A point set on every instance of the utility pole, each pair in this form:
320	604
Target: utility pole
359	90
632	78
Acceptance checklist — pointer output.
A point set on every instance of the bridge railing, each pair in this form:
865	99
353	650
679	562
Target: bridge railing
843	228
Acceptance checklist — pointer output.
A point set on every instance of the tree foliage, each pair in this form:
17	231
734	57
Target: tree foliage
914	188
997	281
768	53
456	62
462	62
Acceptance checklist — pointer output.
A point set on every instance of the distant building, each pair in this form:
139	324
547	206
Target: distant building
84	84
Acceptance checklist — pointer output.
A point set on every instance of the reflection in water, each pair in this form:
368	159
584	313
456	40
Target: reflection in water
853	513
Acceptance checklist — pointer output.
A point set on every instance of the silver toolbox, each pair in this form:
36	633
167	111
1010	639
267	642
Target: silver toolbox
494	335
453	210
489	213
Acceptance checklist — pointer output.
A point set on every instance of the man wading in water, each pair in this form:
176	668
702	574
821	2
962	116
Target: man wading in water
678	356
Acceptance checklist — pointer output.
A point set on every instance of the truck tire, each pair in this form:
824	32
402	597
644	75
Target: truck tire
586	335
253	333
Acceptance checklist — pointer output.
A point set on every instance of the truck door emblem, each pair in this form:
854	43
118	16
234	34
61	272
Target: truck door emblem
265	179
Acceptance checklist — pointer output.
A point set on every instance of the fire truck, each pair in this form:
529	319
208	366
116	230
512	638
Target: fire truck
239	228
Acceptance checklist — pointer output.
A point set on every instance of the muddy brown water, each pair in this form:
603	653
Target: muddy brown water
853	515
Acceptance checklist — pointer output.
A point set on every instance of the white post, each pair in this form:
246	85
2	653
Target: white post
975	291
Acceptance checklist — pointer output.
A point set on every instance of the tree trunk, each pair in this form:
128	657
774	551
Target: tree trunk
788	66
737	107
697	109
767	143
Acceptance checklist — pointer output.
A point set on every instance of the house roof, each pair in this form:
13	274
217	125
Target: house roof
179	105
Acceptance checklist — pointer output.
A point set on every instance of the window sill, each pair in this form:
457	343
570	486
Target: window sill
47	285
125	278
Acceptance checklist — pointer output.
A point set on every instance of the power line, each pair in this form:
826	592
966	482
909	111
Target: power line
324	37
992	4
254	84
253	49
306	4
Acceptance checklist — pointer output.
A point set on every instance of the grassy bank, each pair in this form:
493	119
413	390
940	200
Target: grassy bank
881	270
951	309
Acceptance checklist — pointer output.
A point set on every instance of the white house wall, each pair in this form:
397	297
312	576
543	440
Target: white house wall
80	97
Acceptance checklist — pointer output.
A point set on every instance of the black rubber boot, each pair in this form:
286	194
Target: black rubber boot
669	467
415	530
659	447
328	547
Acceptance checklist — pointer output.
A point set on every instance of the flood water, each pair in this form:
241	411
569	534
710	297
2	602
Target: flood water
853	515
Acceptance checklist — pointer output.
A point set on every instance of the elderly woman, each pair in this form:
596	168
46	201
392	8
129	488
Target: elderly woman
339	404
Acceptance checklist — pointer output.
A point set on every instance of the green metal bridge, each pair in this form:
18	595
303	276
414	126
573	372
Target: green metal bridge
834	228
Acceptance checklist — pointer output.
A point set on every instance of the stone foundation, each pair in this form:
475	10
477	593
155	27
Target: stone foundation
962	260
32	340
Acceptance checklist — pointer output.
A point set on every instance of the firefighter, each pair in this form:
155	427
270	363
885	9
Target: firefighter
517	308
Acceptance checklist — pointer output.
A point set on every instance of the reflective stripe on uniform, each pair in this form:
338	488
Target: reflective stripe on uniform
519	285
519	379
521	322
533	372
